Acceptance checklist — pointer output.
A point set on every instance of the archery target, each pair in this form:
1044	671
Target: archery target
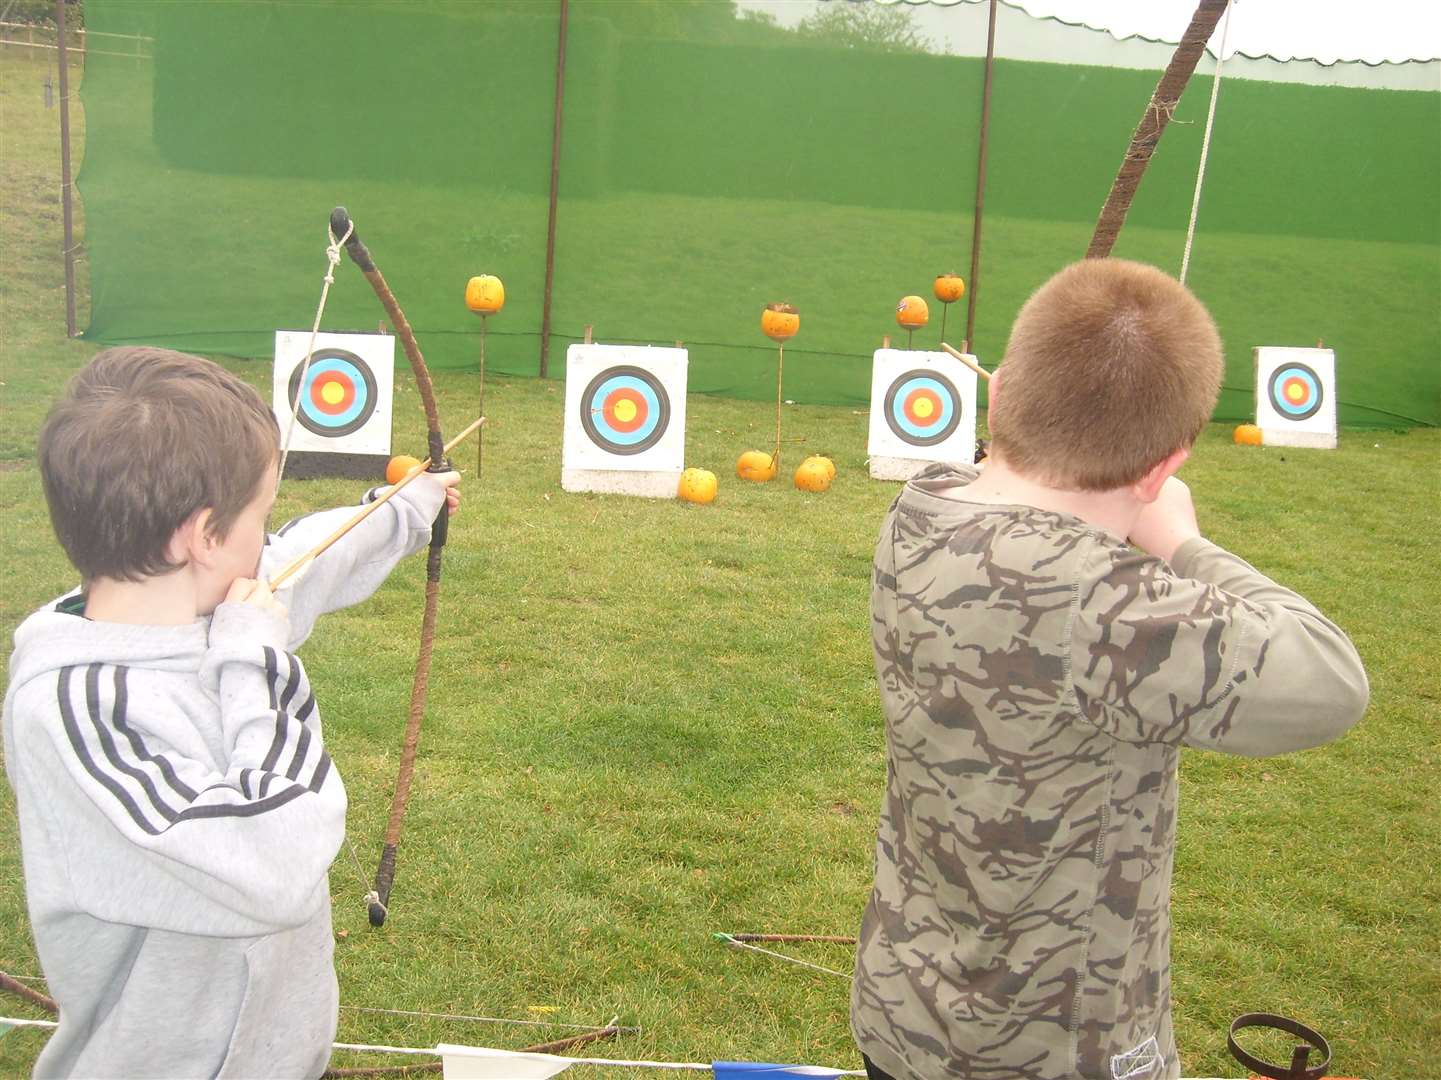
344	406
1295	391
923	408
339	393
624	408
1296	396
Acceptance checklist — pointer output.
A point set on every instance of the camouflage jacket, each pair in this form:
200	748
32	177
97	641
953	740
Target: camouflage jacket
1038	678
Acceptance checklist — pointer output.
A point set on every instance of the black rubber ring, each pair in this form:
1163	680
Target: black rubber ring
1291	1027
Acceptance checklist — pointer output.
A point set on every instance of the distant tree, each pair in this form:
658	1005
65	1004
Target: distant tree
712	21
864	24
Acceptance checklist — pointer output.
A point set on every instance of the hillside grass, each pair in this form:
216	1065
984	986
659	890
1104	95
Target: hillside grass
650	721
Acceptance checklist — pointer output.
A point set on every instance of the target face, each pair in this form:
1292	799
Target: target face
625	410
1295	391
1296	396
339	393
923	407
344	405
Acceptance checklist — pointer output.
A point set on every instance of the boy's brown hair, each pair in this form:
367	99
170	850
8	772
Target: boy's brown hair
1112	365
141	440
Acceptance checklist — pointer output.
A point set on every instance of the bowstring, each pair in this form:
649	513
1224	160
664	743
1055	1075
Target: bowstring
332	258
332	255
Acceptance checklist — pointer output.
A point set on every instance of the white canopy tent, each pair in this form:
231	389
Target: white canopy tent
1324	31
1382	44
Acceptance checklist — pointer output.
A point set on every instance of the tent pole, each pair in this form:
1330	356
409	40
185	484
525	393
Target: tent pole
554	189
973	286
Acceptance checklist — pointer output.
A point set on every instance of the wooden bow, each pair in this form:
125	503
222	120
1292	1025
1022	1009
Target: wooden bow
341	225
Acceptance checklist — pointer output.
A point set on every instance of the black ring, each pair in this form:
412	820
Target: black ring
1291	1027
1283	409
366	376
888	407
662	420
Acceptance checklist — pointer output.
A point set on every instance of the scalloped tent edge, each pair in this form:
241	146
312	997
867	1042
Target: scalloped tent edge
1020	5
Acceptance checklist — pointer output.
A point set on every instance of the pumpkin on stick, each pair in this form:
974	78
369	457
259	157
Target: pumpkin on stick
948	289
779	322
484	295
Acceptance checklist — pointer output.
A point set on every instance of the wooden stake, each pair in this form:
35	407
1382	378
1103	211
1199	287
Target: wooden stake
780	366
963	358
588	334
480	405
297	564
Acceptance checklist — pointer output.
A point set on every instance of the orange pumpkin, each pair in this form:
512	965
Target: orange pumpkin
912	312
756	465
485	295
949	288
825	463
812	475
779	322
1246	435
697	486
398	468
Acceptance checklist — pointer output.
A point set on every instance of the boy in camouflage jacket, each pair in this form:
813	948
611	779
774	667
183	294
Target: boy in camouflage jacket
1039	676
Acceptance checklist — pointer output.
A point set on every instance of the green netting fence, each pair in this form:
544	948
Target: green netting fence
713	161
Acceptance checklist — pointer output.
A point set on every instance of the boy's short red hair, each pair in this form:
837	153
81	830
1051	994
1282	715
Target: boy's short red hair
141	440
1112	365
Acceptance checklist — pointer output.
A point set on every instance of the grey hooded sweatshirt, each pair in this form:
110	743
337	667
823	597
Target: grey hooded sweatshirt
179	814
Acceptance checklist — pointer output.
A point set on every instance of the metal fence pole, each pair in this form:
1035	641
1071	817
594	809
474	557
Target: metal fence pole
65	168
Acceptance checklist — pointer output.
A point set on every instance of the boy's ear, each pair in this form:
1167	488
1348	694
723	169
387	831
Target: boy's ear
193	543
1149	486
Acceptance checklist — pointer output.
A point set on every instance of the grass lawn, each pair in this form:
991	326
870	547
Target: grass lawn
650	721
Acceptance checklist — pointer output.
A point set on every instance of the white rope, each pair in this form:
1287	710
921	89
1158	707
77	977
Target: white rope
1206	142
490	1019
619	1063
332	255
782	956
436	1051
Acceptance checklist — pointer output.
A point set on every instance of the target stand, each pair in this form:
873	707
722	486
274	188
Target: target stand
342	425
624	420
1296	397
923	409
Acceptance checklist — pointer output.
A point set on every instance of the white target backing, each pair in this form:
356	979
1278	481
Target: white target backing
923	409
1296	396
624	419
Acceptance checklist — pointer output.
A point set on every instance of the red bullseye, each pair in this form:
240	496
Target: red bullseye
923	407
1295	391
625	410
332	394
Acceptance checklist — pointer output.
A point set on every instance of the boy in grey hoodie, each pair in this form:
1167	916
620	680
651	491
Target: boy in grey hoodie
178	810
